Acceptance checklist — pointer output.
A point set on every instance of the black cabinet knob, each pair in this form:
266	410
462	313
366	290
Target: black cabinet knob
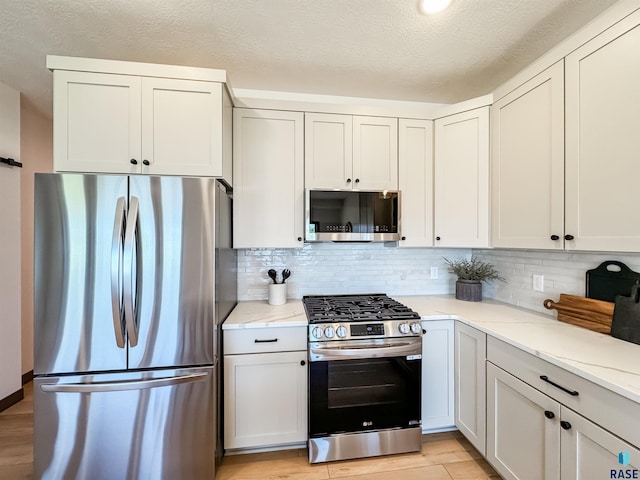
348	180
299	239
403	238
549	414
555	237
438	238
568	237
303	363
133	161
357	180
566	425
146	162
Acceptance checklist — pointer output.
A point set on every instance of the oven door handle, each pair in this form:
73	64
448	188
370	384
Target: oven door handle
320	354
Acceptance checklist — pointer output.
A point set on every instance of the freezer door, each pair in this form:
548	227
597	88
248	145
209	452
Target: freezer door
79	225
156	425
173	280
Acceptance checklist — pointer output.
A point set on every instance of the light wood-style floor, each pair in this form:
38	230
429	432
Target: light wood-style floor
444	456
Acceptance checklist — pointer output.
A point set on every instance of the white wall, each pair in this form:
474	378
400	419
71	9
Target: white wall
37	156
330	268
10	320
564	272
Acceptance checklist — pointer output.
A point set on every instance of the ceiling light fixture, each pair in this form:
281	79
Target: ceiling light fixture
430	7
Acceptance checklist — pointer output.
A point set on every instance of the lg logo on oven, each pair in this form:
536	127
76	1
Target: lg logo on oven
624	459
367	423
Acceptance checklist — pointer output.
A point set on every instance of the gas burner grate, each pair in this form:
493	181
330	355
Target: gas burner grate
355	308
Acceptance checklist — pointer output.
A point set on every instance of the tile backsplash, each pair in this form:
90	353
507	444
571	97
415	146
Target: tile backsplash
564	272
334	268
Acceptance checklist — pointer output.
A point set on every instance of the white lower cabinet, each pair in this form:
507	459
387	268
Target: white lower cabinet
590	452
469	378
437	376
523	430
265	394
533	434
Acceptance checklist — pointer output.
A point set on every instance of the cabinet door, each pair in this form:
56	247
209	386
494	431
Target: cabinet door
527	164
181	127
462	179
602	167
265	399
96	123
415	182
470	386
591	453
523	443
375	153
437	376
268	179
328	151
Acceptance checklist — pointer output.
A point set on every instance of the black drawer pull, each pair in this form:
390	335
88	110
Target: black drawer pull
549	414
270	340
566	425
570	392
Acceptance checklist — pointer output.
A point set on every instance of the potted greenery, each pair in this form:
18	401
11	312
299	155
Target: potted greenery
471	273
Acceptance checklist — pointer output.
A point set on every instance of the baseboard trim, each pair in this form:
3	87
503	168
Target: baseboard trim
11	400
27	377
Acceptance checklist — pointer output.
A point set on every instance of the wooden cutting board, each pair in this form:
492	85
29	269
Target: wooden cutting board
584	312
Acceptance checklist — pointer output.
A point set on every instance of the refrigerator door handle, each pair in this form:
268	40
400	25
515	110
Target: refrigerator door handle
129	290
122	386
116	270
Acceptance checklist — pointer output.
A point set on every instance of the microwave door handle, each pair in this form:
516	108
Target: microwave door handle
130	272
371	351
116	270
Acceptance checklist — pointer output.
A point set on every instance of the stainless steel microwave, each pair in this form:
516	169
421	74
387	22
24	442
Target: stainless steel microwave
352	215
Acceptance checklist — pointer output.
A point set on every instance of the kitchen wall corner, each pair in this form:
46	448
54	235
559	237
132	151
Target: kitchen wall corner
36	144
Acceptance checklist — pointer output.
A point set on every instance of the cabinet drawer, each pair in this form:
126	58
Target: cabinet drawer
259	340
611	411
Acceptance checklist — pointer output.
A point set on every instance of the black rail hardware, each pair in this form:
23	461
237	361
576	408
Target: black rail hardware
573	393
11	162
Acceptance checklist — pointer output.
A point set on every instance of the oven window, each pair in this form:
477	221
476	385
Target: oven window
364	394
364	383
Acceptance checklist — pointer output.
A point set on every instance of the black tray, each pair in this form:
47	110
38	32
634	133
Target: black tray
610	279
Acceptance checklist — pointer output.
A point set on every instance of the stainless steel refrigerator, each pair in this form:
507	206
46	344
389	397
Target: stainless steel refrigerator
130	290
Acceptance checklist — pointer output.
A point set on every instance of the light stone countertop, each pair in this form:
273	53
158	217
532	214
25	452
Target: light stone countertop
259	314
602	359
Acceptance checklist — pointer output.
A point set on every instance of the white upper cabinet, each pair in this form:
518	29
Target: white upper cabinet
415	182
375	153
268	209
121	123
96	123
461	204
328	151
603	141
347	152
527	164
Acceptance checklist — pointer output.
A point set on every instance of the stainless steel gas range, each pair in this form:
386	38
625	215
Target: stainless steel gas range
365	364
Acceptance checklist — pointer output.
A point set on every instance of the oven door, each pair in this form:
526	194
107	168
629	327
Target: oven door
363	385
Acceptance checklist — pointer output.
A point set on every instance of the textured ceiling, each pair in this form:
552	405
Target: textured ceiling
360	48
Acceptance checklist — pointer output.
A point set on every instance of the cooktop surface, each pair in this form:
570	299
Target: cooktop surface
355	308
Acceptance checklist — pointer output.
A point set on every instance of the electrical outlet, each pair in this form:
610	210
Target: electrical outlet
434	273
538	283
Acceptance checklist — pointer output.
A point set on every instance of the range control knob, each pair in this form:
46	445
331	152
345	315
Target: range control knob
403	328
416	328
341	331
317	332
329	332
